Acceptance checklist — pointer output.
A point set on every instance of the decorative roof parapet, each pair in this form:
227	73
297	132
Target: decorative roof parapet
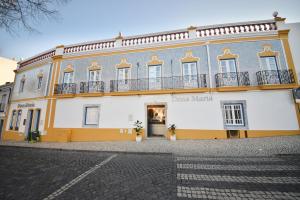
160	37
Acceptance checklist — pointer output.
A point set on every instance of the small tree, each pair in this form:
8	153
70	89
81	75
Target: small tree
138	127
172	129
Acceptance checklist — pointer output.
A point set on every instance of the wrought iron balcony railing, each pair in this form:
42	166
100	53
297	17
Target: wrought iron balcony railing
266	77
91	86
65	88
2	107
161	83
232	79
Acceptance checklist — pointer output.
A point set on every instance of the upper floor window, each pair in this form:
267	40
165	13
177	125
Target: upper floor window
94	75
228	65
91	115
68	77
123	74
3	102
233	114
22	83
39	85
269	63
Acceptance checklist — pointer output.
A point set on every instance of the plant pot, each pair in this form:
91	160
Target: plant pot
173	137
138	138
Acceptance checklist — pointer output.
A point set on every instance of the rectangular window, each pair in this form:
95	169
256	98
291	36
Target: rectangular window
68	77
190	75
18	120
269	63
91	115
12	120
233	114
39	85
123	74
21	88
3	103
228	66
94	75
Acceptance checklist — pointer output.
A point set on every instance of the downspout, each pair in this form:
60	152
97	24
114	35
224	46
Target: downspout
209	66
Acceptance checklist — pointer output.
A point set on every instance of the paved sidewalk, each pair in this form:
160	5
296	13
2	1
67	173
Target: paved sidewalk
234	147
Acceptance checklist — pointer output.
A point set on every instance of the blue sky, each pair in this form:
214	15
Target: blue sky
101	19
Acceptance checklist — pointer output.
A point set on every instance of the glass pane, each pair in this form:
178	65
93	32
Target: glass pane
272	63
223	66
232	67
91	116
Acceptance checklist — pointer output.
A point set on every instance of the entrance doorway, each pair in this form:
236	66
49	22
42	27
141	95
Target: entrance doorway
156	119
28	122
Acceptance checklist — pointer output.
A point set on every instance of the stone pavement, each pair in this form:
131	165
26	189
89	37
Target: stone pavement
265	168
227	147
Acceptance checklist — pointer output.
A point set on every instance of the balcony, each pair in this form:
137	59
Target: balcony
92	87
232	79
161	83
65	88
271	77
2	107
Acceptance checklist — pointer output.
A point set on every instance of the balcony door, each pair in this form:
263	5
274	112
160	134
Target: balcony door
270	68
190	75
154	75
68	77
229	75
123	79
94	80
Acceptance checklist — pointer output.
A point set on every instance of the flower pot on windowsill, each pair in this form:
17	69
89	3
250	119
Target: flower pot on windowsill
138	138
173	137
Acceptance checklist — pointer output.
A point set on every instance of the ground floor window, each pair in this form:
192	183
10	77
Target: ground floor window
12	119
91	116
18	120
234	114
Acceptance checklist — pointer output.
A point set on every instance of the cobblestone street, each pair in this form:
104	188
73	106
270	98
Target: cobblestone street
39	173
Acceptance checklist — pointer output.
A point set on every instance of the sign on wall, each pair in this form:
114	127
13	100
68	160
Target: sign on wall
25	105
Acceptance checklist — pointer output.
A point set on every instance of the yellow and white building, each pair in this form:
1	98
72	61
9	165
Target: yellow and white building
219	81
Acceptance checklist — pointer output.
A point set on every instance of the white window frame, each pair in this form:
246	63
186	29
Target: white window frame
155	81
96	75
12	120
22	84
266	65
85	109
230	117
227	65
18	120
39	82
69	79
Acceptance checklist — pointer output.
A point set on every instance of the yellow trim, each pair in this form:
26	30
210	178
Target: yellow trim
29	99
267	51
155	61
283	35
94	66
297	109
13	136
190	28
268	133
189	57
190	44
123	64
40	74
69	68
227	55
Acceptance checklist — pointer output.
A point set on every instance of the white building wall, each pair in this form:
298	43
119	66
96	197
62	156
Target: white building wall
266	110
38	104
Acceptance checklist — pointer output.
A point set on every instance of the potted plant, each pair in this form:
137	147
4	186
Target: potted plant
172	129
138	128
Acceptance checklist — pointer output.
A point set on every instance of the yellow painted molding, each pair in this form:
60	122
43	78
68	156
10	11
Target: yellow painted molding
297	109
190	28
267	51
283	34
13	136
269	133
69	68
279	86
57	57
60	46
279	19
94	66
63	96
227	55
123	64
40	74
155	61
94	94
29	99
189	57
235	88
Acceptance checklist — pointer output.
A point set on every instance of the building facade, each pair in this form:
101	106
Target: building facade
5	93
212	82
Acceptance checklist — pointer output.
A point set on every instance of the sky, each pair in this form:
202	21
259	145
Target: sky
87	20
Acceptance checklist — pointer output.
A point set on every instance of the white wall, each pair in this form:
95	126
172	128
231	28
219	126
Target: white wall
41	104
266	110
